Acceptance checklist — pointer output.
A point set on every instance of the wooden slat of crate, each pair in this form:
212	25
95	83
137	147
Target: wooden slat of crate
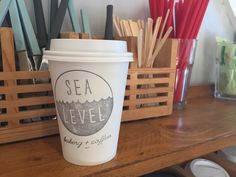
145	101
26	88
148	91
71	35
23	75
148	81
27	101
172	64
74	35
28	114
132	87
8	62
29	131
171	94
152	70
139	114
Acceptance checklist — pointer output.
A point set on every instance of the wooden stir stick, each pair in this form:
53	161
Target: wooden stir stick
145	44
154	38
140	46
117	27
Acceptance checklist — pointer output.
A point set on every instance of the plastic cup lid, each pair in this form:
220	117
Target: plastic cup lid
88	45
87	56
230	153
207	168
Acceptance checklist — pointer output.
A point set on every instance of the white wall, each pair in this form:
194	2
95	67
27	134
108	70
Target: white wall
219	20
233	5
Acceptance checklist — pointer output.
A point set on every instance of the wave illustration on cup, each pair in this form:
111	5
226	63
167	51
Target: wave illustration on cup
86	111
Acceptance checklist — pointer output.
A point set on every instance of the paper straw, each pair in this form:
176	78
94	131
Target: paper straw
187	8
177	18
153	9
200	18
194	16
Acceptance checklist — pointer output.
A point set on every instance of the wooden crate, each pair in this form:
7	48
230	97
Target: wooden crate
27	110
26	117
150	91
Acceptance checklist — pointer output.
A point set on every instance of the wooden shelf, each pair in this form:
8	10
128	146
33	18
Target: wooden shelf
145	146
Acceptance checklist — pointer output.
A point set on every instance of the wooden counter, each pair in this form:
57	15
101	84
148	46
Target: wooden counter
144	146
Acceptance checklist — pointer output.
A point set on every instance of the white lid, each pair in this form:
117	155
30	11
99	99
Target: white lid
230	153
88	45
87	56
207	168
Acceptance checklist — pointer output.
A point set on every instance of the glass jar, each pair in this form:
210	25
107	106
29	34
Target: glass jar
225	83
184	64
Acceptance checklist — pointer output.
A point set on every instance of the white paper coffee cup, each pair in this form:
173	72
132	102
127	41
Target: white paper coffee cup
89	91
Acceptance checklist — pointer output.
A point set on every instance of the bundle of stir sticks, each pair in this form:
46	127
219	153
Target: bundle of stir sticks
150	37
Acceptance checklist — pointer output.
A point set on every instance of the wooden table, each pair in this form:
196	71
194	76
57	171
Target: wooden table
145	146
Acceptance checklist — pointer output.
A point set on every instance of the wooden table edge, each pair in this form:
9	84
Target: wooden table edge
170	159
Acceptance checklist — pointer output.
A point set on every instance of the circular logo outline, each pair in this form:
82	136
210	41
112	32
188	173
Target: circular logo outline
100	78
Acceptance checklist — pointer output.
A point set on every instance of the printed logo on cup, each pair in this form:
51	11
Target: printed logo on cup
84	101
